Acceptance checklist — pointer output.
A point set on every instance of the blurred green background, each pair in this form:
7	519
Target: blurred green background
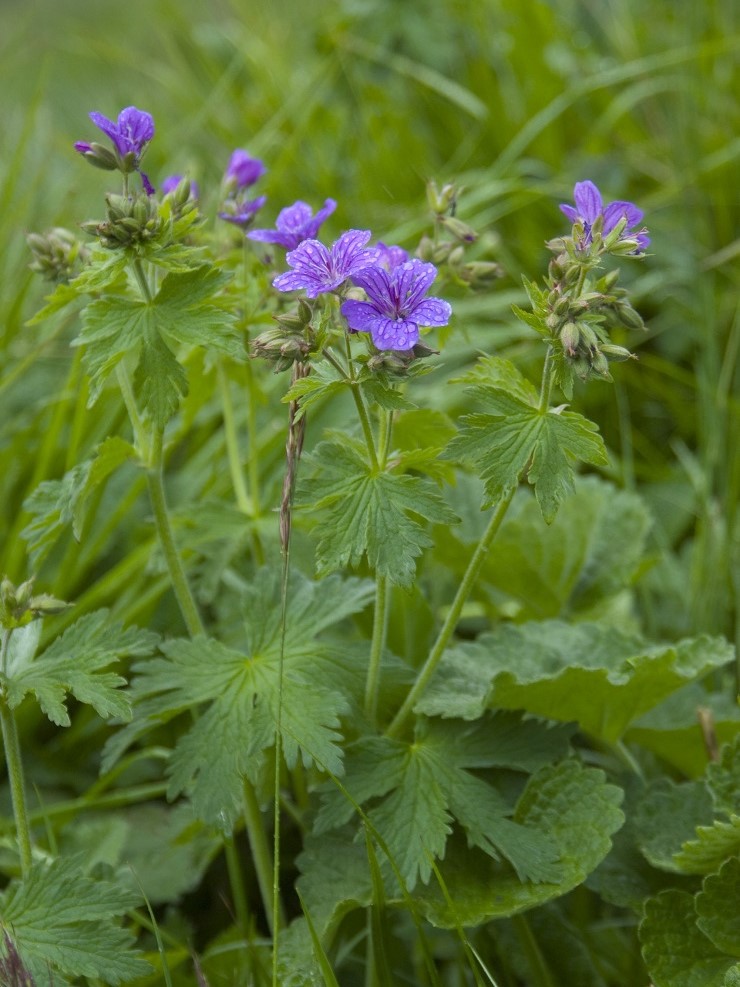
364	100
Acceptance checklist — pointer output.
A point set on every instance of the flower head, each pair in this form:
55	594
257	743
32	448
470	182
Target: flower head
396	306
130	134
243	170
318	269
589	207
295	224
242	213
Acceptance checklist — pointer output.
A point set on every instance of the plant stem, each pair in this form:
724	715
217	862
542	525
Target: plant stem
361	409
238	891
141	438
443	638
533	953
262	856
164	529
376	648
232	444
15	767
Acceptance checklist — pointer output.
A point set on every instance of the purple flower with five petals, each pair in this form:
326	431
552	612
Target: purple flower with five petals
589	206
295	224
318	269
243	169
396	306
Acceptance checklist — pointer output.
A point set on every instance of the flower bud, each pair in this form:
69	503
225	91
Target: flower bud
282	347
629	317
570	336
425	249
461	231
296	319
600	365
441	202
130	220
480	273
18	605
616	354
629	245
57	254
97	155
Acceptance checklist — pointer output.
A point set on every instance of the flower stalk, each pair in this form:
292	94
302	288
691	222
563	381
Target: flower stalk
14	765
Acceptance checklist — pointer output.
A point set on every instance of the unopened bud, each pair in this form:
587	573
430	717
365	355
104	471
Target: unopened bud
440	202
629	317
57	254
628	245
98	155
570	336
600	365
479	273
425	249
281	347
616	354
461	231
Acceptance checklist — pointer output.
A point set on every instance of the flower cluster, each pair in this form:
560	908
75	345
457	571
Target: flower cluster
394	287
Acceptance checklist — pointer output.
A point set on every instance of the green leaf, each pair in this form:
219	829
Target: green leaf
723	778
56	503
666	816
712	846
716	916
238	691
589	673
514	438
61	918
74	664
676	952
323	382
419	438
184	312
364	512
106	270
577	564
571	805
428	782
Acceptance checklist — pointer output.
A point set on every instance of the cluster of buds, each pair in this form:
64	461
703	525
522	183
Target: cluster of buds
182	195
19	606
448	251
57	254
131	220
396	364
291	341
579	321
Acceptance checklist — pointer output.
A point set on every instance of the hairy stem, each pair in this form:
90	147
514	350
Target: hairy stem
361	409
15	767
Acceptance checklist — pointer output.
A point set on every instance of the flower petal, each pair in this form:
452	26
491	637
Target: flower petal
432	312
616	210
588	201
414	278
570	212
395	334
360	316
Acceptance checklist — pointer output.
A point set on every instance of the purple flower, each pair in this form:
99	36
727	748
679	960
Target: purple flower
243	169
172	181
242	213
396	307
390	257
316	269
295	224
130	133
589	207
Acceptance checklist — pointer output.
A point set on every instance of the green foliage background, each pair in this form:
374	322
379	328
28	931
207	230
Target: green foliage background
364	100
